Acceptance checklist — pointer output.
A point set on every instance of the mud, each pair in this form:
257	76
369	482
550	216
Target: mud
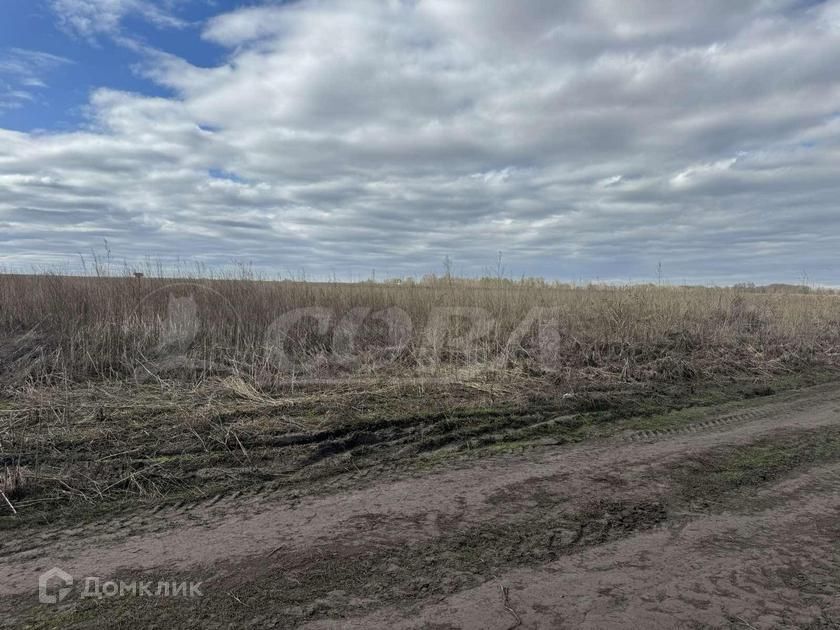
729	524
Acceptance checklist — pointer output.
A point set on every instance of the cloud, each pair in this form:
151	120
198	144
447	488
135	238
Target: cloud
89	18
582	139
22	73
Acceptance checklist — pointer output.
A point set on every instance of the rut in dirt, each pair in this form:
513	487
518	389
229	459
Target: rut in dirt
455	528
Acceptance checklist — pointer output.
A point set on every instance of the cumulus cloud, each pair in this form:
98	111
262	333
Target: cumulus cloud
583	139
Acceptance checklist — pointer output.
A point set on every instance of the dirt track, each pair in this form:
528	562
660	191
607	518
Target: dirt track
597	535
772	569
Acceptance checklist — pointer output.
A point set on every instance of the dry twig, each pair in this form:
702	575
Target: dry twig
506	604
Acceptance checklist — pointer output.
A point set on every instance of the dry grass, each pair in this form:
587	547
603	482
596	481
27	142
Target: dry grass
57	329
13	482
114	388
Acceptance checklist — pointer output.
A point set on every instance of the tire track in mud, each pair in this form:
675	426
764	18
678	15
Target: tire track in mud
208	511
769	409
275	489
765	410
758	568
694	427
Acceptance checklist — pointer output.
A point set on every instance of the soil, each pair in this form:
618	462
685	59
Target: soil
729	520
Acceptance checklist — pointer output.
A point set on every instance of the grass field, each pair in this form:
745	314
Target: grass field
56	329
125	389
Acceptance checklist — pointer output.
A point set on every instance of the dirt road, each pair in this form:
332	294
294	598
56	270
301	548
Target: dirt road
729	523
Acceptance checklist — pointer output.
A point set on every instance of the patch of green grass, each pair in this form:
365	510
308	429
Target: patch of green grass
701	404
708	478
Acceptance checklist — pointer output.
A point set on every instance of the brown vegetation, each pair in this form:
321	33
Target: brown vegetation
58	329
119	387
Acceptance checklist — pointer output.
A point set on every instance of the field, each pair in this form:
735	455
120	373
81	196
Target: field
316	452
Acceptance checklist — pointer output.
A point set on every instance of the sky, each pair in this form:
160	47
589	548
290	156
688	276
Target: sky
583	140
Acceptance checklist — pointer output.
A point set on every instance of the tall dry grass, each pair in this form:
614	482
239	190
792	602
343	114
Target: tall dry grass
56	328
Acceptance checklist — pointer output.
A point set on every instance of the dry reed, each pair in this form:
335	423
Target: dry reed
56	328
